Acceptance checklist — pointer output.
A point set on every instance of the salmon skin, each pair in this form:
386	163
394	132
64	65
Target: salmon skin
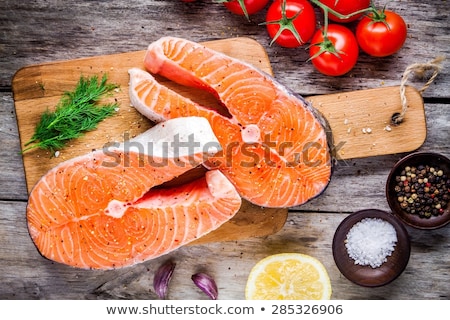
101	210
275	146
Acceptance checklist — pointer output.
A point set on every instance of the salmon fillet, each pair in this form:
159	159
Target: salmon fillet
275	147
102	210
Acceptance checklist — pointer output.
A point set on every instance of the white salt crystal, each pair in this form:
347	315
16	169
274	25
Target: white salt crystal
371	241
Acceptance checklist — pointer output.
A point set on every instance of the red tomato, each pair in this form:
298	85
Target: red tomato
245	7
336	54
383	35
346	7
291	23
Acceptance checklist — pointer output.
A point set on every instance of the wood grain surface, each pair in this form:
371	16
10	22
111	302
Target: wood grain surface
361	121
37	32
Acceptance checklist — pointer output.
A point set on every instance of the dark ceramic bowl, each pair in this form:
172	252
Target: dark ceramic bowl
366	275
415	220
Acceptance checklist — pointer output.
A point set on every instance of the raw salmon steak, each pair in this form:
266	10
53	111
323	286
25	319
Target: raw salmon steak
275	146
103	210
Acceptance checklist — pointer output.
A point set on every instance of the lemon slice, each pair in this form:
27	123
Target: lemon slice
288	276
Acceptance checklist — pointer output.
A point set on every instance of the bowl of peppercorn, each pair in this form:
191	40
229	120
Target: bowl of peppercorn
418	190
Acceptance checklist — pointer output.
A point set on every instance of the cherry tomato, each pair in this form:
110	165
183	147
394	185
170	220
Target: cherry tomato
346	7
290	23
337	53
381	34
245	7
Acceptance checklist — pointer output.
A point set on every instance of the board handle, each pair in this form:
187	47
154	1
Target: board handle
361	121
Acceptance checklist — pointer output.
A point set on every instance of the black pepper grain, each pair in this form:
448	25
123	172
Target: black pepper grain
423	190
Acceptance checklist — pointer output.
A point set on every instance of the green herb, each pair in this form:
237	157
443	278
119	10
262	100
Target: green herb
76	113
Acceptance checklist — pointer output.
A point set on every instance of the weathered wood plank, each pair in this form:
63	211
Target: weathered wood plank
36	32
12	177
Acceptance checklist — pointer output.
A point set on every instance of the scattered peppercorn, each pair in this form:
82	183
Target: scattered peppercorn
423	190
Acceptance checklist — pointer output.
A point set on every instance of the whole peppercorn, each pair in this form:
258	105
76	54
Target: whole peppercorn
423	190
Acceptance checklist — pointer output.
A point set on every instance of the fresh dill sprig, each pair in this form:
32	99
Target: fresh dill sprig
76	113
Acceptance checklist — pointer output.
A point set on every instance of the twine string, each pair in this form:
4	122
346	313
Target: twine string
420	70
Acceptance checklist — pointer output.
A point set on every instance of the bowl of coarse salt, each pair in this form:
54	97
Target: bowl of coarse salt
371	247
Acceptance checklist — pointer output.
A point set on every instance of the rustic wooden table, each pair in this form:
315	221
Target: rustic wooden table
34	32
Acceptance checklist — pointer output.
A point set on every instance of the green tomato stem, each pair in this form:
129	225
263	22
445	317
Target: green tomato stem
340	15
285	23
241	3
244	9
326	45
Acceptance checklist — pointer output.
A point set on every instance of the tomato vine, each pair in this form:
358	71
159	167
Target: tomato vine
291	24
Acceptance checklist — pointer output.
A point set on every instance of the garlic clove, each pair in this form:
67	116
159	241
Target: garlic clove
206	284
162	278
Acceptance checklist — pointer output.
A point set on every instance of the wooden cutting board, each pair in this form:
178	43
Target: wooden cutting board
39	87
